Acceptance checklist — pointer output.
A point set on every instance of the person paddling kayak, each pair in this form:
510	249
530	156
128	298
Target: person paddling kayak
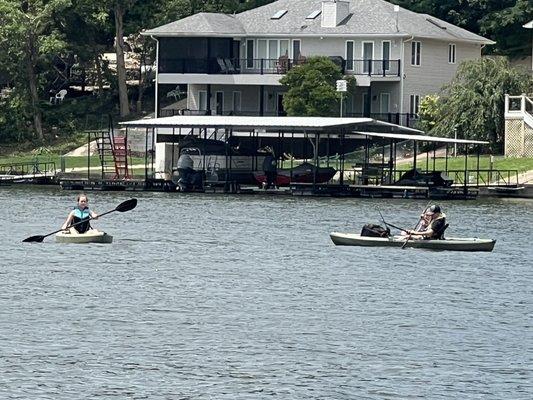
80	213
433	224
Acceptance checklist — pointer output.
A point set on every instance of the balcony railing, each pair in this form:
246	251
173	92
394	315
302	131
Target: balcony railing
279	66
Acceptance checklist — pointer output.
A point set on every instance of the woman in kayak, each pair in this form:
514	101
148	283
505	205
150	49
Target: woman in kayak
433	225
80	213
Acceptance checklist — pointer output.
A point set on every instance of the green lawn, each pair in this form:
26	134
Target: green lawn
458	163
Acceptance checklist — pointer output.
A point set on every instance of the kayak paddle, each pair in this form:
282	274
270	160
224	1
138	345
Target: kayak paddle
416	226
392	226
122	207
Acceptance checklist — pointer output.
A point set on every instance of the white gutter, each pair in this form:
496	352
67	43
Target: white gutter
402	73
156	72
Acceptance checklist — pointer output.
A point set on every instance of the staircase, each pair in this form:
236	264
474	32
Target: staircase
113	153
120	153
518	126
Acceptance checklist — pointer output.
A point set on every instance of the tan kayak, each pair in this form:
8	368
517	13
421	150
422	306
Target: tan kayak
91	236
451	243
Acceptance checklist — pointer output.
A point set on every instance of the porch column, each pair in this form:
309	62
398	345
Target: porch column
261	100
208	100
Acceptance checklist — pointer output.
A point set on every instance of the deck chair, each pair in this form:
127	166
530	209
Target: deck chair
229	66
222	65
60	96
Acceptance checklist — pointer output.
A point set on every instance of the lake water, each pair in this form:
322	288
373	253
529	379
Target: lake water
245	297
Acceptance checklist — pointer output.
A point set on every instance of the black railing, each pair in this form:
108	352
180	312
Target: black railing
279	66
28	169
484	177
390	68
241	113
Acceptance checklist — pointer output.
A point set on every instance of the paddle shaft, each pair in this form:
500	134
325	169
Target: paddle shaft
416	226
392	226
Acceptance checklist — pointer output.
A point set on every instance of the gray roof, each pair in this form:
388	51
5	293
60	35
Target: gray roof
201	24
367	17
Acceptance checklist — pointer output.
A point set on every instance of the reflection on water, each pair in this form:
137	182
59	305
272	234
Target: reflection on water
226	297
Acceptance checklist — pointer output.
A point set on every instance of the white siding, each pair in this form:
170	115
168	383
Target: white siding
434	71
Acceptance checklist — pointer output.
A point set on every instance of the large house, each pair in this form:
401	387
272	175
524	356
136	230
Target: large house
232	64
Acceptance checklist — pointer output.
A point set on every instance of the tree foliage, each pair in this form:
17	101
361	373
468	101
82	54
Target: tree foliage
473	103
499	20
29	38
311	88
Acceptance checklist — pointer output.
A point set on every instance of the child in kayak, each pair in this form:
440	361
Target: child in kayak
80	213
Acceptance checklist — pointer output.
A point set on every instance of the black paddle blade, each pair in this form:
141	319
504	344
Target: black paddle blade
37	238
127	205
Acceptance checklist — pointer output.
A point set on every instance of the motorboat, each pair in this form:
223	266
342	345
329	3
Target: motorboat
303	173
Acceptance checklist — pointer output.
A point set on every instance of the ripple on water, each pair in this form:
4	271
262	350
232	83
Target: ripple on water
226	297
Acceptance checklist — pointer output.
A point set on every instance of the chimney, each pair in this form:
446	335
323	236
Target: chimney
334	12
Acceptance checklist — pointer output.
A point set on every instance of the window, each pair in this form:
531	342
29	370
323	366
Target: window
384	103
415	53
272	53
368	57
202	100
414	104
236	102
385	55
451	53
262	54
296	46
249	54
349	55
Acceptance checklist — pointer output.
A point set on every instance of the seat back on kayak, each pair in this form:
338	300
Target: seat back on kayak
440	233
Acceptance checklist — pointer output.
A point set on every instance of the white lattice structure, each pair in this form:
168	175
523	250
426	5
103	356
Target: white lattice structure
518	126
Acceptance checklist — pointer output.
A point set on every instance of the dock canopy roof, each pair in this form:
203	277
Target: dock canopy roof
421	138
282	124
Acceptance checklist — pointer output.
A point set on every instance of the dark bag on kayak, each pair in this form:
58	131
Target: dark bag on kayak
375	231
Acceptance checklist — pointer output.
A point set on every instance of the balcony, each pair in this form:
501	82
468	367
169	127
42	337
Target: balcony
277	66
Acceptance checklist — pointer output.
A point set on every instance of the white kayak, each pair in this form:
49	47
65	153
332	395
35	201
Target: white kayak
450	243
91	236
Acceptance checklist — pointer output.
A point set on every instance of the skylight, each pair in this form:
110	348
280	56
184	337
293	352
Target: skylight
279	14
314	14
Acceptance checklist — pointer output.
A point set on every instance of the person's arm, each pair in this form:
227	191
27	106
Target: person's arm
427	232
68	221
94	215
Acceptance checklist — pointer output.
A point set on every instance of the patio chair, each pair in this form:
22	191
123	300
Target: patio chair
229	66
282	64
60	96
222	65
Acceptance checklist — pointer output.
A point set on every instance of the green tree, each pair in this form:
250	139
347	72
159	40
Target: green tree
473	103
29	39
499	20
311	88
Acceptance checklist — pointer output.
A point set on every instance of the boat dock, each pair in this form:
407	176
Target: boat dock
337	157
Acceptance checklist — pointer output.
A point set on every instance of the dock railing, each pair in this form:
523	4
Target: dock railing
33	169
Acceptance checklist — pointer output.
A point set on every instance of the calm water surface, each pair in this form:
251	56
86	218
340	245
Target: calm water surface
225	297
